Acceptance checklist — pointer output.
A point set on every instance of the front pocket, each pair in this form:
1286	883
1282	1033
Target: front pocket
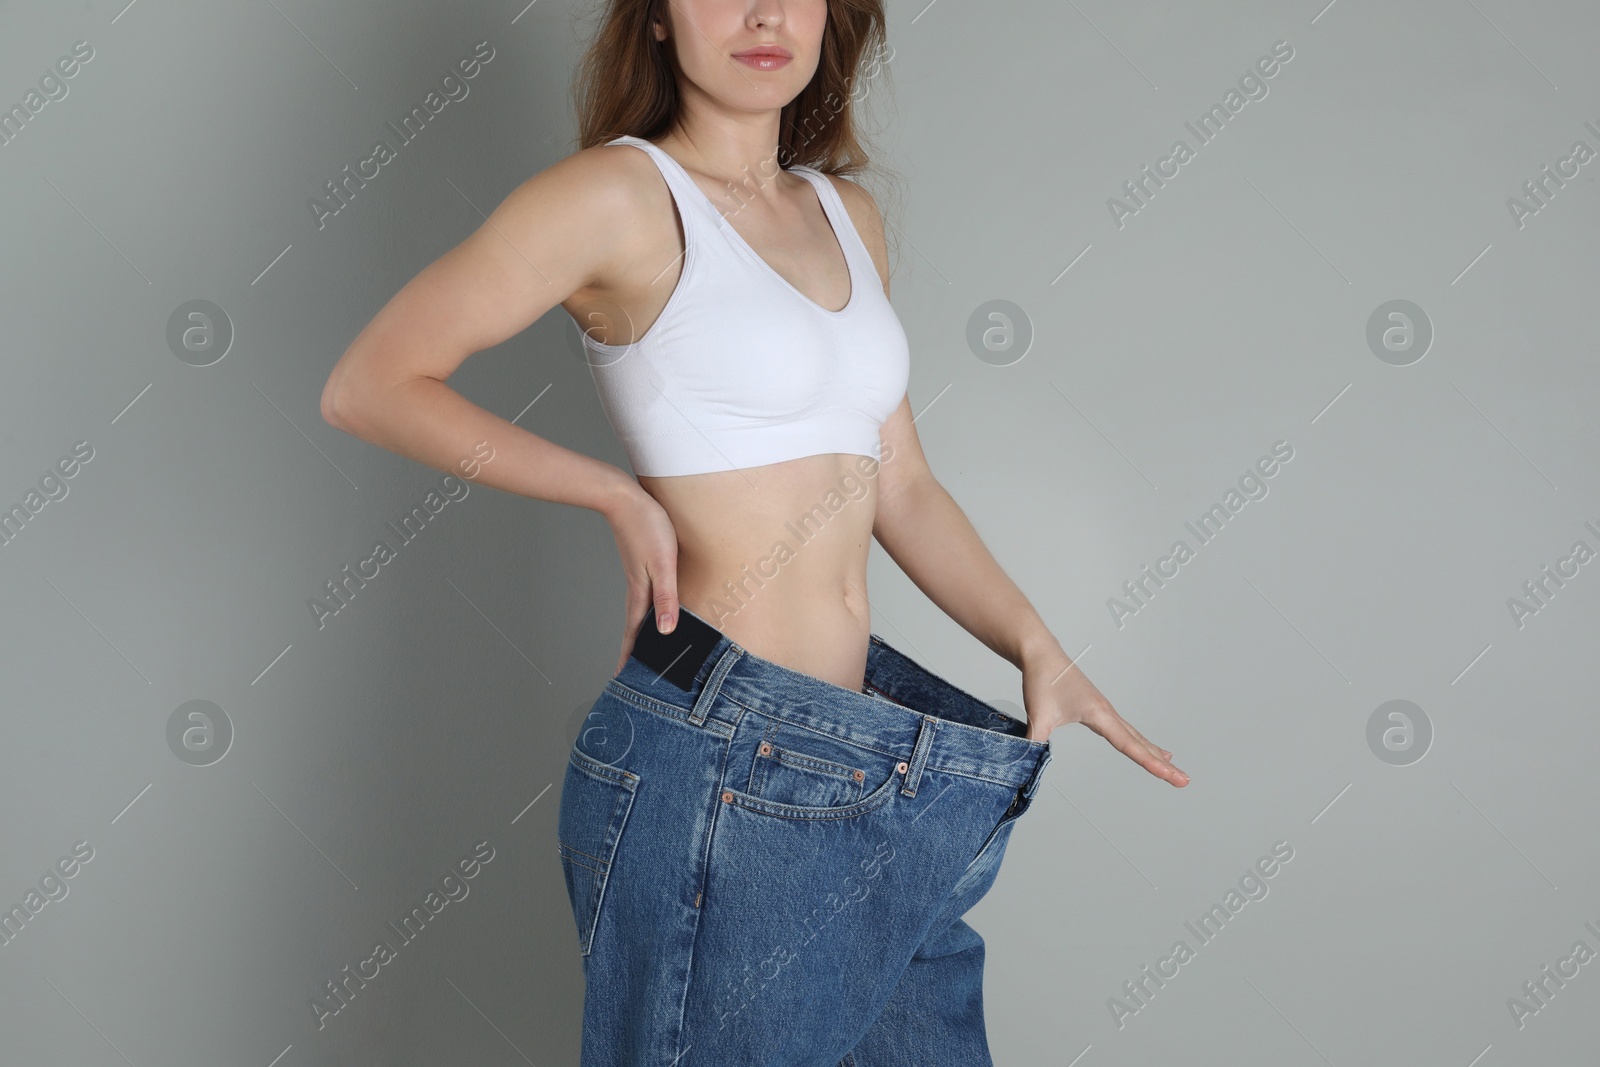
595	801
797	768
801	774
871	802
789	776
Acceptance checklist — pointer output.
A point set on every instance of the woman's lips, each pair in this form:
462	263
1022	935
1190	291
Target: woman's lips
762	59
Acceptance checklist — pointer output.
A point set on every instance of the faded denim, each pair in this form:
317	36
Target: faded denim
769	870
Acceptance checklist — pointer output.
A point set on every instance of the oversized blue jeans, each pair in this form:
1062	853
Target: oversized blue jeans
770	870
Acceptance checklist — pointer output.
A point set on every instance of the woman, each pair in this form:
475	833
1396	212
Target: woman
742	822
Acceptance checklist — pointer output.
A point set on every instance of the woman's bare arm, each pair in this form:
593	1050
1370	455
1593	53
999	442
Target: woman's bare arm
570	227
561	230
930	538
928	535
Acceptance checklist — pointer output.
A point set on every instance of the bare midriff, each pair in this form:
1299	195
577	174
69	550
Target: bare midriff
775	557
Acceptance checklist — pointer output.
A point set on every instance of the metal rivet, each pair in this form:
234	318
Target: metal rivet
902	766
766	750
860	775
727	798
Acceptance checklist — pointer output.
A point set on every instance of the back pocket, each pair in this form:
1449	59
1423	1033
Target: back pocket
595	801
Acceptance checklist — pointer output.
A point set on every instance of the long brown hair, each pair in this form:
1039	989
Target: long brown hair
626	83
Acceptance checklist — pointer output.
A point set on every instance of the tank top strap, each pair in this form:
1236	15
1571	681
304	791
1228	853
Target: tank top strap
692	201
844	227
825	190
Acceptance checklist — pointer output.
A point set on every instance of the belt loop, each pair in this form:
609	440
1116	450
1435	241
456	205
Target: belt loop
919	754
708	692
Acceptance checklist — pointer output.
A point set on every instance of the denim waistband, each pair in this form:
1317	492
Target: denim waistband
959	733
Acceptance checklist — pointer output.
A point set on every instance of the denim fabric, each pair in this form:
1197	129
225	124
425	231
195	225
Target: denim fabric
770	870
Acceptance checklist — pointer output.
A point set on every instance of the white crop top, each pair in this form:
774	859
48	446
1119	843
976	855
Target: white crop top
741	369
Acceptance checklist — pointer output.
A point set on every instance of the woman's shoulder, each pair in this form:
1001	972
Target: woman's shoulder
609	192
586	219
601	172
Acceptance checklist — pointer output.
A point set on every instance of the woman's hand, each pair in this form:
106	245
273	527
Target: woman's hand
1055	691
648	545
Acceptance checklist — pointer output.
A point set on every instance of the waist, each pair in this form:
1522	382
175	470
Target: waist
776	558
703	677
813	627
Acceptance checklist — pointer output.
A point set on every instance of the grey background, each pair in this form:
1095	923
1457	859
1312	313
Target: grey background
434	712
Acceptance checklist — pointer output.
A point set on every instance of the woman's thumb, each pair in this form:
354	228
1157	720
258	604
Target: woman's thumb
666	602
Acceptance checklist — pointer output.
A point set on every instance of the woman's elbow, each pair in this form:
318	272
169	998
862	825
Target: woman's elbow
339	397
331	413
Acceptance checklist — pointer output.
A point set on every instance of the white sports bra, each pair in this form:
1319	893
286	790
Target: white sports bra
740	368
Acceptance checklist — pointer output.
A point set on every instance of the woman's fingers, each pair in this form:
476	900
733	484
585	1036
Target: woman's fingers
637	600
629	630
1127	740
1145	740
648	546
1082	702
